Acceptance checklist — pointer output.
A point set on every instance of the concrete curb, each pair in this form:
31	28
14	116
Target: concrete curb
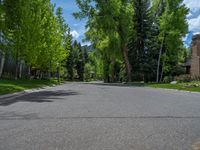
130	85
17	94
174	90
22	93
25	92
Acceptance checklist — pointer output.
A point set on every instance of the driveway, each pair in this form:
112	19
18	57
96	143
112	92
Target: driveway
80	116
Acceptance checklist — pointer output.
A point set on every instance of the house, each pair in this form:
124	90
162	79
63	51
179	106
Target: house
195	60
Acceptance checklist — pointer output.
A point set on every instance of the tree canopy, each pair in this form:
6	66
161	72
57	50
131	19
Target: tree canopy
131	40
145	36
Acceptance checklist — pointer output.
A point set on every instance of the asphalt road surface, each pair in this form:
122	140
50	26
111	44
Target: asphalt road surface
79	116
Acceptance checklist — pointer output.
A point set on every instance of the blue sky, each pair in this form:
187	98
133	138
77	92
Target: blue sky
78	26
193	20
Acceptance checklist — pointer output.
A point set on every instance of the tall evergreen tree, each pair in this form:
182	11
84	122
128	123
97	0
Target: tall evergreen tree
141	48
80	63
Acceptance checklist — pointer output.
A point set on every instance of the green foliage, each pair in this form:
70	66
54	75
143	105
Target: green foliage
75	65
183	78
35	35
142	52
168	79
152	29
172	27
108	27
141	39
88	72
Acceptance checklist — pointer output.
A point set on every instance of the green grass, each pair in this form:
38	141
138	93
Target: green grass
193	86
12	86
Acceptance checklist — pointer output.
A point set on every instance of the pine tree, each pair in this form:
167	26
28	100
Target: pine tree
140	46
80	63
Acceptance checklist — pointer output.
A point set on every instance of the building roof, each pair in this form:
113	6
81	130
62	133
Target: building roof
196	37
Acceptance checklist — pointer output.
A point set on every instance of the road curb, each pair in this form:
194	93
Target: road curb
147	87
174	90
12	95
22	93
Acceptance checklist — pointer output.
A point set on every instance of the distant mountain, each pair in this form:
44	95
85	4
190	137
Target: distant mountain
89	48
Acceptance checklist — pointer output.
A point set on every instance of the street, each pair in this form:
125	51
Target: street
94	116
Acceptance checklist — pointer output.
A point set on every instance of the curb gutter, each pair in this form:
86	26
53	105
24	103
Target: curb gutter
22	93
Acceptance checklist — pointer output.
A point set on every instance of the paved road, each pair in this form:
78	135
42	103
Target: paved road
78	116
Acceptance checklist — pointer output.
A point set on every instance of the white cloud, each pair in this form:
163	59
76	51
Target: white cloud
86	43
75	34
194	24
194	15
192	3
185	38
193	19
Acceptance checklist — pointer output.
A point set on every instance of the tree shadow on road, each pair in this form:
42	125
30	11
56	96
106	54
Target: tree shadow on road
39	97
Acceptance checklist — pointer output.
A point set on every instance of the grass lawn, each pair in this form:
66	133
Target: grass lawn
193	86
12	86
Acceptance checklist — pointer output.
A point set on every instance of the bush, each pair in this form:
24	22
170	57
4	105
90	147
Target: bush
168	79
196	78
192	85
88	70
184	78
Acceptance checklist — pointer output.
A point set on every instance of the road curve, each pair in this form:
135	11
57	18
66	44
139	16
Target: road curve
80	116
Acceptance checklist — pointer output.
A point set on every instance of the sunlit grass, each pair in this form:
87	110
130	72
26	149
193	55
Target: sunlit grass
186	86
12	86
189	86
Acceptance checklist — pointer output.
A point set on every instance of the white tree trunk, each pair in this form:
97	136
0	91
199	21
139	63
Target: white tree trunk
20	69
2	61
29	72
159	57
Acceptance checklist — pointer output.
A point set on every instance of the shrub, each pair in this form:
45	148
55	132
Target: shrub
88	70
196	78
184	78
192	85
168	79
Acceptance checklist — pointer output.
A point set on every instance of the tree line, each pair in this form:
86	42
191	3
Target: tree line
138	40
132	40
31	32
36	34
